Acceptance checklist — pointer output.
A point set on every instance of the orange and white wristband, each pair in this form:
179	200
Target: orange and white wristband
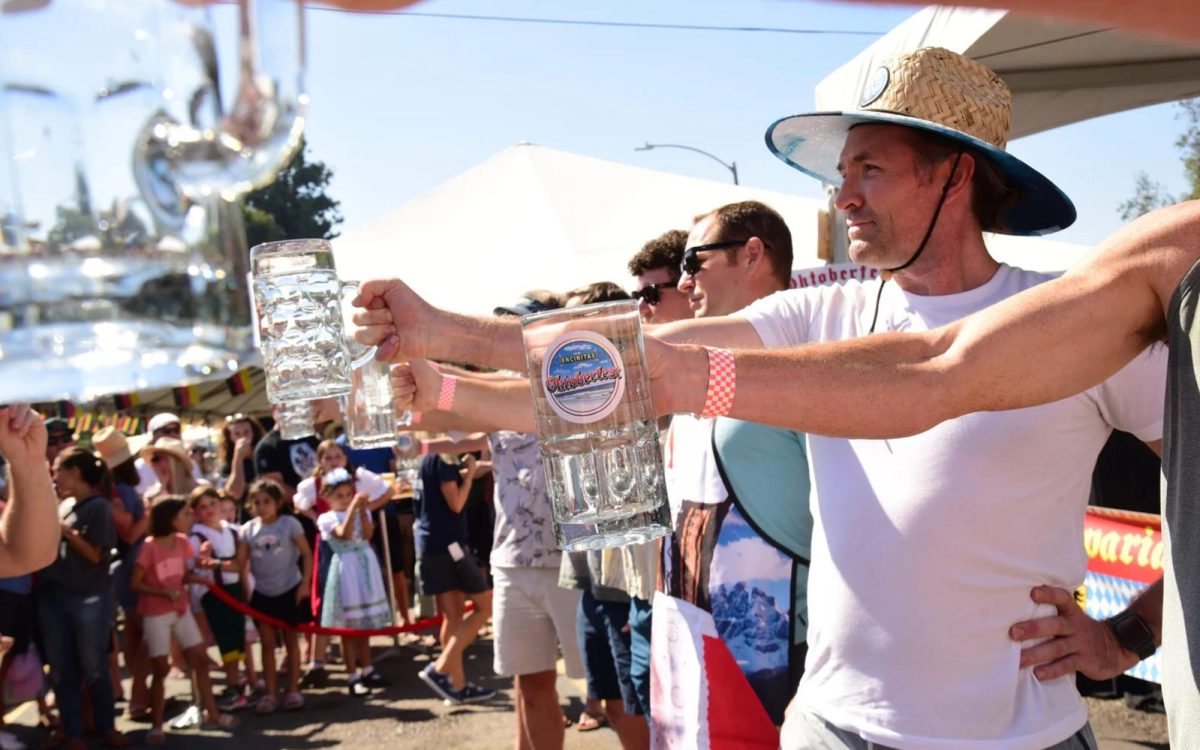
722	383
445	400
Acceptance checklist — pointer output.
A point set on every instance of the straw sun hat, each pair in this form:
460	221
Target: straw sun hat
941	92
171	447
112	447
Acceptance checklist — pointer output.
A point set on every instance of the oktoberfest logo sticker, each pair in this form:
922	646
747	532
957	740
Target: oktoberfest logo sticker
583	376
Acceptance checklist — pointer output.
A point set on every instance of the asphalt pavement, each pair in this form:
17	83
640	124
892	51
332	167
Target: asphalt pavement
407	715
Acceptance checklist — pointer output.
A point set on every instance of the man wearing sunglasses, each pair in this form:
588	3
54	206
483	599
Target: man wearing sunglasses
59	437
656	270
926	548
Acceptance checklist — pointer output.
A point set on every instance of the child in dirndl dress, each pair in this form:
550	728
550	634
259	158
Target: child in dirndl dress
354	594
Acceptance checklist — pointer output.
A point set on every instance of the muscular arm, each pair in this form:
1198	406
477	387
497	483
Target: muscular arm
1044	344
727	331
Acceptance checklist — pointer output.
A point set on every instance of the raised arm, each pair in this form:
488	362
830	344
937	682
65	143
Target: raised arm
403	325
29	530
484	404
1042	345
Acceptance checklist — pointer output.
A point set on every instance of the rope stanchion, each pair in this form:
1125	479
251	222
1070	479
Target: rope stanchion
247	610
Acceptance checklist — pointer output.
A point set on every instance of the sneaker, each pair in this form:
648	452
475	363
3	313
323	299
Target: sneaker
374	679
357	689
440	684
233	700
472	693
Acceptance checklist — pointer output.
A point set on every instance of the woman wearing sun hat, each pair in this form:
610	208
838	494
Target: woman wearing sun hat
172	466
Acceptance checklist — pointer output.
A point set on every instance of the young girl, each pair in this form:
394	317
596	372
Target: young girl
354	592
310	502
159	577
222	559
276	544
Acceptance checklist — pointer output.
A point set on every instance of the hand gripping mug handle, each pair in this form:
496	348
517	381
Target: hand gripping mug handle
357	360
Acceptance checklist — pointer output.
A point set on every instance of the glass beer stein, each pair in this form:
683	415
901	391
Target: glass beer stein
126	126
596	425
298	299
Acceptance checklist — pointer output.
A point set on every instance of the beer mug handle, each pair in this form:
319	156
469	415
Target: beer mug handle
359	354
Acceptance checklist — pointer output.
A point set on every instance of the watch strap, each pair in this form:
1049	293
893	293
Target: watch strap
1133	633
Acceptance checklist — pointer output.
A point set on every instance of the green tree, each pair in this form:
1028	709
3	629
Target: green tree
294	206
1148	194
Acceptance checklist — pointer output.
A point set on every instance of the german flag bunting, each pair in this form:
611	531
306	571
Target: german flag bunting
125	401
85	422
240	383
186	396
66	410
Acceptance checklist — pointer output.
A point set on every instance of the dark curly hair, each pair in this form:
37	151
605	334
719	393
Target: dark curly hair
664	251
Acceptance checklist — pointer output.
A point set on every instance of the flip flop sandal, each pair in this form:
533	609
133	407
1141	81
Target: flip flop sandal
589	723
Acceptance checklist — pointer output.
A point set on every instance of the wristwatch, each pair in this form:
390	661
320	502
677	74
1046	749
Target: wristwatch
1133	633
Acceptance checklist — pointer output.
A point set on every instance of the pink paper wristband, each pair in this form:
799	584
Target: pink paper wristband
722	383
445	400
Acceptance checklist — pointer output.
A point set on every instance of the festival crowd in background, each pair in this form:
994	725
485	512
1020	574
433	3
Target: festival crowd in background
164	548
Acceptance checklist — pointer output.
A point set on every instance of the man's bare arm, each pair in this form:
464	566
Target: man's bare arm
1042	345
726	331
486	404
403	325
29	529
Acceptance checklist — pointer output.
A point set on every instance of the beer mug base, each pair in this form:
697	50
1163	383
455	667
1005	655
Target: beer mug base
634	529
86	361
363	443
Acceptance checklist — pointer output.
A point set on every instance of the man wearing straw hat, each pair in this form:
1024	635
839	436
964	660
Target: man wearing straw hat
925	549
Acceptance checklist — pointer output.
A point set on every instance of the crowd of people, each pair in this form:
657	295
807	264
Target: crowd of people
897	575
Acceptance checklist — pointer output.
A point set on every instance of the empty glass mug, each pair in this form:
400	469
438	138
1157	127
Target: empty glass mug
123	124
295	420
298	299
367	411
596	425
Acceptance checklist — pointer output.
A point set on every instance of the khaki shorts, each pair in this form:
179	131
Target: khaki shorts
533	619
160	628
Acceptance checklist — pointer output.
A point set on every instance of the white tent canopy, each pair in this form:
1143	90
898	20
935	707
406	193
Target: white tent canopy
1059	72
534	217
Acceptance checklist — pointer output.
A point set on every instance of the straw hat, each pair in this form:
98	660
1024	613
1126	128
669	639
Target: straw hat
942	92
112	447
171	447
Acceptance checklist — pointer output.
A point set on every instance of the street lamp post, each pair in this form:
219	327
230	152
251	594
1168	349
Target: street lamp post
732	166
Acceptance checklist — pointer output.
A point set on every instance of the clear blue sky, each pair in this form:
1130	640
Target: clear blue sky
402	103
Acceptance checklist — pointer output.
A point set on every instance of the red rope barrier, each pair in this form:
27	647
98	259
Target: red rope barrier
308	627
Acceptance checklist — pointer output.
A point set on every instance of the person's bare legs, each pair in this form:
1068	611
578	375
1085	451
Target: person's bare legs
198	658
450	606
632	730
266	639
161	665
403	596
539	717
291	642
137	661
451	660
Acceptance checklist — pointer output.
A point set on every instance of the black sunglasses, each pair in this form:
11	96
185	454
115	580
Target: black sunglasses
61	439
652	293
691	264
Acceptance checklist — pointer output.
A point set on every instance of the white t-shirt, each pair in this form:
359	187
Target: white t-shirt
364	481
925	548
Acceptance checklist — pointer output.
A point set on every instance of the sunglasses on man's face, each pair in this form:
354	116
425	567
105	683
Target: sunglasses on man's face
652	293
692	263
171	429
63	439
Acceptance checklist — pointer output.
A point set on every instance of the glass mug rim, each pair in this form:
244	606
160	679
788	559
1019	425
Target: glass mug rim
285	247
615	306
